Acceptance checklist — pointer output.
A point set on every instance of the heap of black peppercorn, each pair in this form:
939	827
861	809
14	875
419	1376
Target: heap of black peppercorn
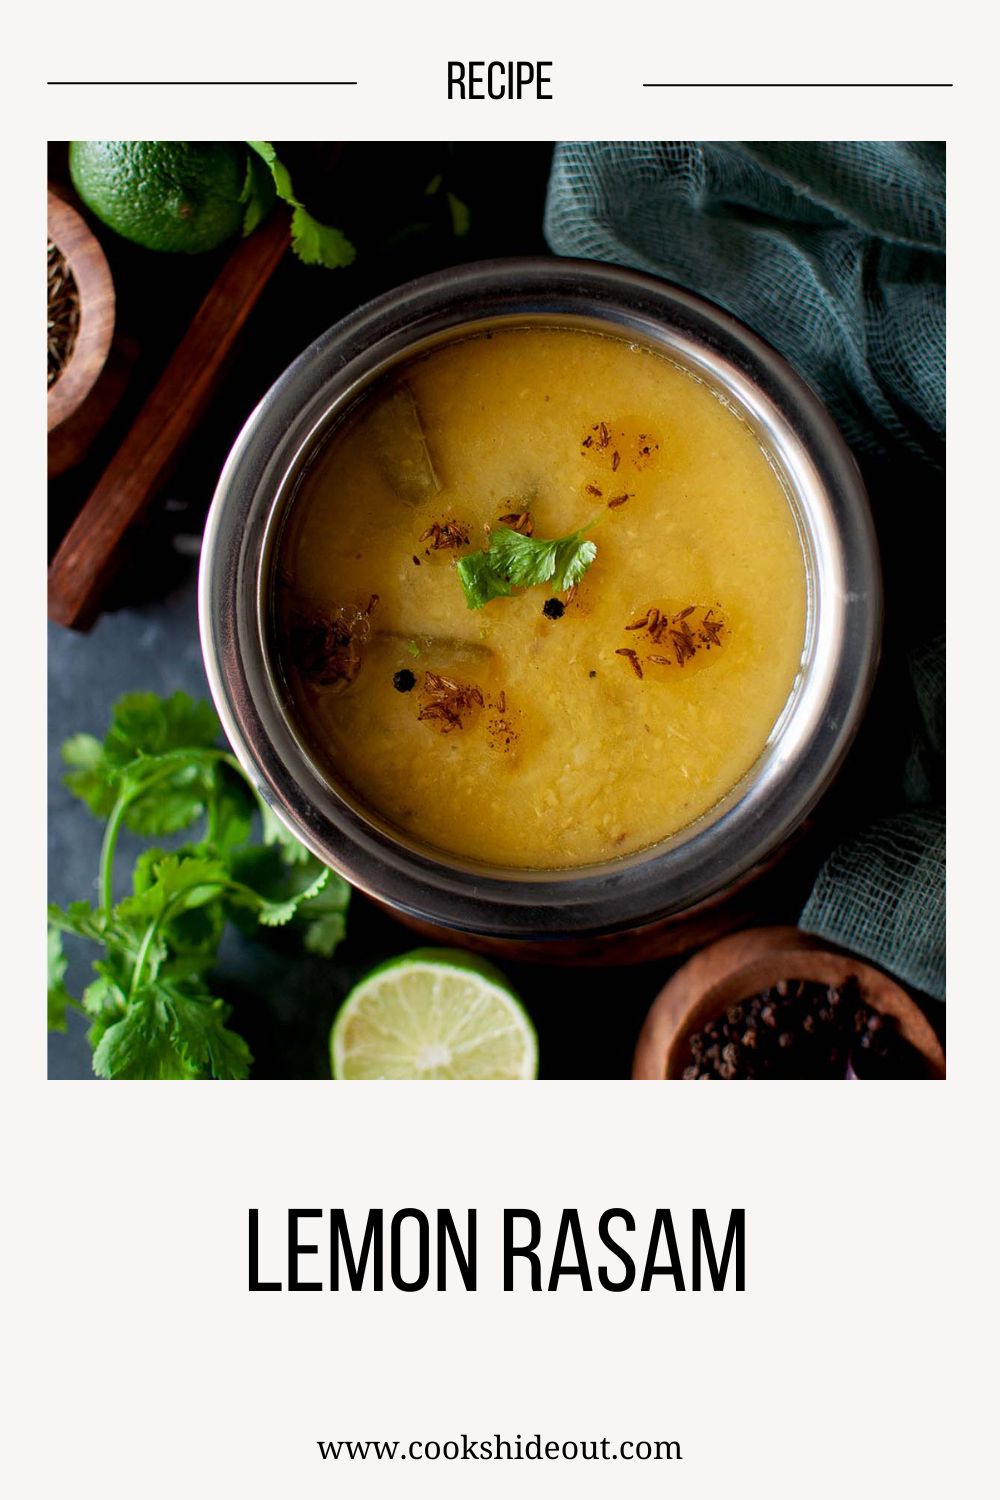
802	1029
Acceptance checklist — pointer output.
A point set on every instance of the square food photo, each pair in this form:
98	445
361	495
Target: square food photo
487	638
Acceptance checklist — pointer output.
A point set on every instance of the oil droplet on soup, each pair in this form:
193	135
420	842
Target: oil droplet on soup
540	731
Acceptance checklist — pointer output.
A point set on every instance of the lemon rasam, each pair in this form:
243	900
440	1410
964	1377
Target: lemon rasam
560	723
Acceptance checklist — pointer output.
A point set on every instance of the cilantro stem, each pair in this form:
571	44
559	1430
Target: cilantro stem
140	961
153	928
106	867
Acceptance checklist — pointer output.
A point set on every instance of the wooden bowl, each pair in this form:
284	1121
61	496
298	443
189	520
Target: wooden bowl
89	354
745	963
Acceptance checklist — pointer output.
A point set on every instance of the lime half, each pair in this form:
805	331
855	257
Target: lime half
435	1013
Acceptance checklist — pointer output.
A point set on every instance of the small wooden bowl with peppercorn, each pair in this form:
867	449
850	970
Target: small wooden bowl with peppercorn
81	312
775	1003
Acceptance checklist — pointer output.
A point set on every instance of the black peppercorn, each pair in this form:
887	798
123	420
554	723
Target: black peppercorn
553	609
801	1029
404	681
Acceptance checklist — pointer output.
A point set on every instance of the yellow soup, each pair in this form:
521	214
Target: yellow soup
547	728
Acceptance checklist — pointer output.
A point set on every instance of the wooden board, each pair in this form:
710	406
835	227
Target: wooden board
91	549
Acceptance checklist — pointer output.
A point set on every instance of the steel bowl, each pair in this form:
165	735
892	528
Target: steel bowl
806	746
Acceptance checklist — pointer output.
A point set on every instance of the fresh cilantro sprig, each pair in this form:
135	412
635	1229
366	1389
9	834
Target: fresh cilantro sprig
158	771
314	243
515	561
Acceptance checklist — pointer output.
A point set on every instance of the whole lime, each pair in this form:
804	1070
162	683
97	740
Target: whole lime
166	195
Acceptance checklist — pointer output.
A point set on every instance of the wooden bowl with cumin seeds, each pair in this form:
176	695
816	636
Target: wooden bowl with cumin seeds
81	312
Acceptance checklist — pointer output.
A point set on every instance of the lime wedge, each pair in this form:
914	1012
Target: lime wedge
435	1013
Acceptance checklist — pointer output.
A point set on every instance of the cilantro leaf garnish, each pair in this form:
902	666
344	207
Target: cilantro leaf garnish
153	1012
314	243
513	560
481	579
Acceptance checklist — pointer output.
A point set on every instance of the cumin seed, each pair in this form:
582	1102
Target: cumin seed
631	658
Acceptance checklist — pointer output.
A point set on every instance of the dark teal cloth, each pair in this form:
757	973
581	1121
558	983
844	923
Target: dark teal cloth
833	252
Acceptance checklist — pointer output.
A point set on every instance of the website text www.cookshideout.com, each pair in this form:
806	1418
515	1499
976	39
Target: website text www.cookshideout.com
496	1448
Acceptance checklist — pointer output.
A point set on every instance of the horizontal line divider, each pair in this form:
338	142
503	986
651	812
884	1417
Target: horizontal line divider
798	85
216	83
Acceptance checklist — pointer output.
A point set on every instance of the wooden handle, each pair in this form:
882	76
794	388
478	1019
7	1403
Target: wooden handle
90	551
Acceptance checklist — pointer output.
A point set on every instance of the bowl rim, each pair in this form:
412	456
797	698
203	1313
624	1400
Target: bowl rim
807	745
